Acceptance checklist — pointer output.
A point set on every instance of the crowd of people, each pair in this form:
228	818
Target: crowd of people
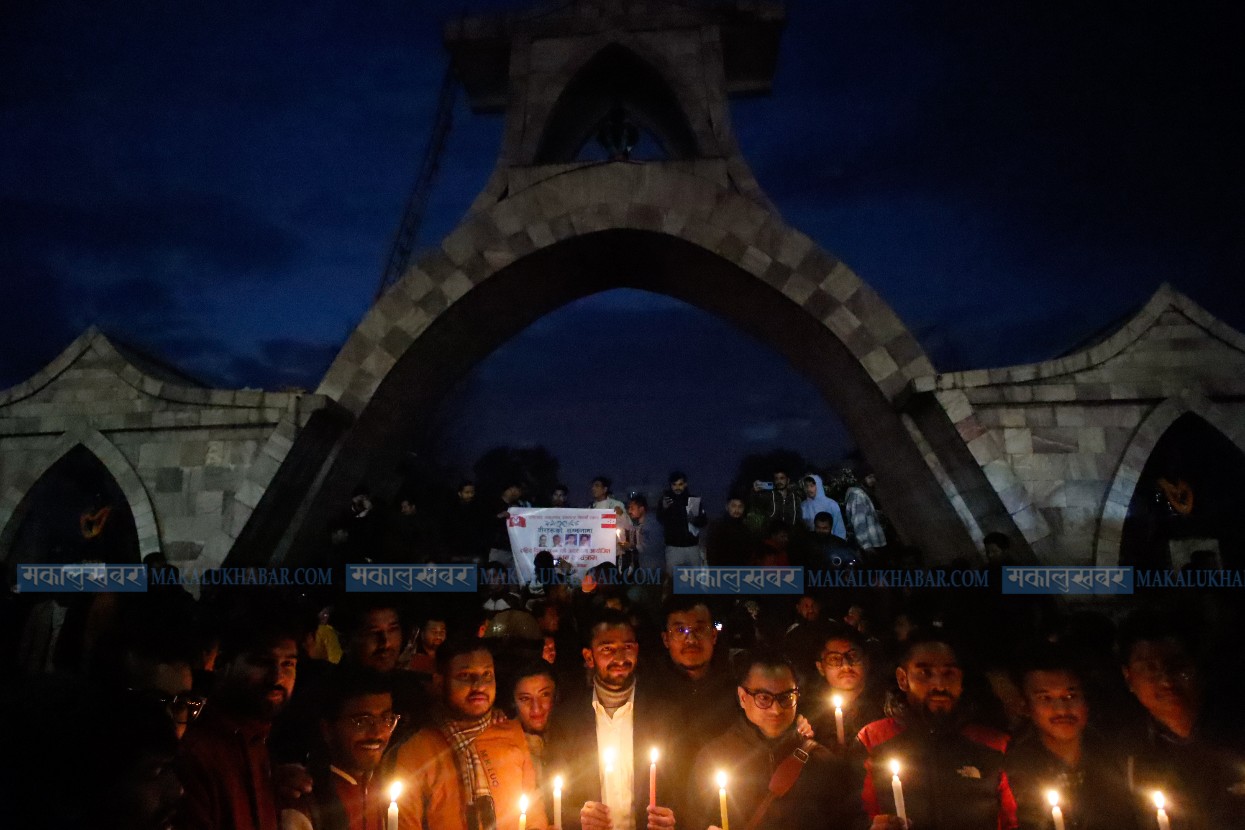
585	703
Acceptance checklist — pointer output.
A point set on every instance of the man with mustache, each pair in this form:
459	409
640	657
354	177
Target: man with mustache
1059	752
604	736
469	769
951	769
223	763
356	721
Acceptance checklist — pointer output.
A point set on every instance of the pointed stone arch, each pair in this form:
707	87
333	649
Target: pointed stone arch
14	503
1138	452
615	75
648	227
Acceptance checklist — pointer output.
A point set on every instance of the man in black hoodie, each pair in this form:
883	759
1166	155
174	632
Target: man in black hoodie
682	517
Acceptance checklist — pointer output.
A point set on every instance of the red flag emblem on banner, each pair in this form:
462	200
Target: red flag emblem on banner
516	521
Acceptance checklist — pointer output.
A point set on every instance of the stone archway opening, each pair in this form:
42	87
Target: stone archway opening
75	512
392	415
633	385
1187	499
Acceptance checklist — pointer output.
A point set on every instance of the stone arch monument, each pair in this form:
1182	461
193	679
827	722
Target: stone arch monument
693	225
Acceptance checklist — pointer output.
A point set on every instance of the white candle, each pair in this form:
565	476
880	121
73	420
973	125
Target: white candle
523	812
391	821
1161	816
726	822
837	700
897	790
652	778
609	759
557	802
1055	813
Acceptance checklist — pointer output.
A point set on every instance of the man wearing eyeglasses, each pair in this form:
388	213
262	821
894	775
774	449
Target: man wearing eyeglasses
776	778
603	737
844	666
951	769
356	722
468	770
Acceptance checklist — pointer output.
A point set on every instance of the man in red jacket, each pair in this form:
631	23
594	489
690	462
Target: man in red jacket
951	770
223	762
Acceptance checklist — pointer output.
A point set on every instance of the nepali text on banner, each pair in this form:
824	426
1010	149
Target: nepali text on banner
582	536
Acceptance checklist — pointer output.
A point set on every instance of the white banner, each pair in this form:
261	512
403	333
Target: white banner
584	537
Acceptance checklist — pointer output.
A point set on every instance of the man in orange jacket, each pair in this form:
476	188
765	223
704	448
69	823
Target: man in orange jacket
471	768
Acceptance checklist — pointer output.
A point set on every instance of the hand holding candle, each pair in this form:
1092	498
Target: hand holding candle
391	820
726	824
897	790
652	778
1161	816
523	812
837	700
1056	814
557	801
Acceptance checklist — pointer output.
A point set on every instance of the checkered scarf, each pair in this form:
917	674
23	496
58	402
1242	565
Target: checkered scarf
462	735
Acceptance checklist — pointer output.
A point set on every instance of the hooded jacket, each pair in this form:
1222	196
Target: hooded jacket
821	503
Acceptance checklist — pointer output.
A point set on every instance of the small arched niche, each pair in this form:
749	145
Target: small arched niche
75	512
616	77
1187	499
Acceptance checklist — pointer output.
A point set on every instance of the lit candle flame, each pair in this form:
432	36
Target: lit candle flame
1053	797
895	767
721	780
609	758
653	755
523	804
557	782
1159	800
837	700
395	790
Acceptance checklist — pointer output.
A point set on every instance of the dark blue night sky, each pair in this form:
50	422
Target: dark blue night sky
219	187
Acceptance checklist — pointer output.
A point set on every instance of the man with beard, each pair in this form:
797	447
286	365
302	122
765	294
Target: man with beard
778	503
844	666
356	723
682	520
223	763
1060	753
603	738
468	770
778	779
951	769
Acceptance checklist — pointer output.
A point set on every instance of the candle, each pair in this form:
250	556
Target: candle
652	778
837	700
608	752
1055	813
726	822
391	821
523	812
557	801
897	789
1161	817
